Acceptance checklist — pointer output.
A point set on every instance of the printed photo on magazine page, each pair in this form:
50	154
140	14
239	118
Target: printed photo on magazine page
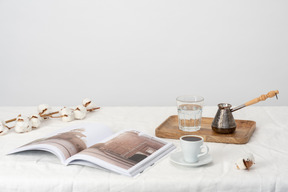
69	143
125	150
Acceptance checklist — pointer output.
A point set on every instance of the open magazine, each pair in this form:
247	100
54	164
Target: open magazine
128	152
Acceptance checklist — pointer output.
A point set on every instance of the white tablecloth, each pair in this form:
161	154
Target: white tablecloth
41	171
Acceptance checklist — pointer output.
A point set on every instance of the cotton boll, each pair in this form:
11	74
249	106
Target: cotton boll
245	162
67	114
240	164
80	112
88	104
35	121
3	129
44	109
23	124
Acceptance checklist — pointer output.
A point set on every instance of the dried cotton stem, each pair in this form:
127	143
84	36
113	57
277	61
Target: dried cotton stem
66	114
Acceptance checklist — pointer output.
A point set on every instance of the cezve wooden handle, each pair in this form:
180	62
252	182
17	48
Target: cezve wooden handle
262	98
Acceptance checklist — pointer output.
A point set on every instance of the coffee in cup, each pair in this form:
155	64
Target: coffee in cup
192	146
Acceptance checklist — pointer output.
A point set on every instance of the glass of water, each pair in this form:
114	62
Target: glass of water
189	112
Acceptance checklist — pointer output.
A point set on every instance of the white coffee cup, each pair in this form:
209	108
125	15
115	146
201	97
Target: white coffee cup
192	146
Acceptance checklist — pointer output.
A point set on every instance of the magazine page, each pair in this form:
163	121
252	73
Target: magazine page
69	141
127	152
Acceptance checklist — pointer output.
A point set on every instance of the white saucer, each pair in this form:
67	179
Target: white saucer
177	158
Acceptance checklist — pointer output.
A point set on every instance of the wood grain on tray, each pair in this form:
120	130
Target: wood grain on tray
244	130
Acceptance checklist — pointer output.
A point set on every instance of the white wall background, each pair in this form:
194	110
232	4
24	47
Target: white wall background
130	52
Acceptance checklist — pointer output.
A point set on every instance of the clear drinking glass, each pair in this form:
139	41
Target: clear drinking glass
189	112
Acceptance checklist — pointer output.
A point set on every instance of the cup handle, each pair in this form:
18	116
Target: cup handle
205	152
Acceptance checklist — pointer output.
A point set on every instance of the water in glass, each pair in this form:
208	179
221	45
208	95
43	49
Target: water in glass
189	117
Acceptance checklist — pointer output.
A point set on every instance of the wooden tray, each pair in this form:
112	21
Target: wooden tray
169	129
